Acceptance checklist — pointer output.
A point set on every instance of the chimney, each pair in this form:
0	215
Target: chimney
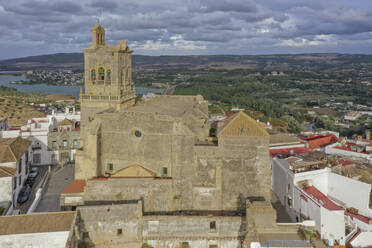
368	134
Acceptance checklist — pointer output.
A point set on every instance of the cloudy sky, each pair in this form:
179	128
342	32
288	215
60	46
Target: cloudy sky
163	27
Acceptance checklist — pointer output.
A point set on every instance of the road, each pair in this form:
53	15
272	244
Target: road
57	183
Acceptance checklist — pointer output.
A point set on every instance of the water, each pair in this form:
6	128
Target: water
54	89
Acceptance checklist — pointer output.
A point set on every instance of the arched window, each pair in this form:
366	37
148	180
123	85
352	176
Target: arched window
93	74
108	74
101	73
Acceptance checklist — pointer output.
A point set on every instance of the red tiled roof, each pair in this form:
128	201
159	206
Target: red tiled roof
360	217
230	115
286	151
322	199
77	186
320	140
345	163
348	147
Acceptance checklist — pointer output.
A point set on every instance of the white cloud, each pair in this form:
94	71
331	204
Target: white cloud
184	27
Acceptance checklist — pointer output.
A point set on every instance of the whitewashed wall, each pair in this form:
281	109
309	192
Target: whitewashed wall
317	178
331	150
6	189
10	134
352	193
39	138
332	226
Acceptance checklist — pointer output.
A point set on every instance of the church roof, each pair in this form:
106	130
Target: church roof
168	105
12	149
241	125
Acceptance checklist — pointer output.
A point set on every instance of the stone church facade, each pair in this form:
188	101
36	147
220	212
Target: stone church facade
155	163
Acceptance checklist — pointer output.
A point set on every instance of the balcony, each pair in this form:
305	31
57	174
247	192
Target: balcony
35	146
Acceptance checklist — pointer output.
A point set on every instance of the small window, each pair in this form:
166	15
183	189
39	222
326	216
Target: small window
20	180
93	74
76	143
165	171
212	225
65	144
101	73
289	186
54	159
212	246
185	245
289	201
120	231
14	182
110	167
54	145
137	133
36	158
20	166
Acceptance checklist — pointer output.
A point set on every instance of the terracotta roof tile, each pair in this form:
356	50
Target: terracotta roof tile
320	140
12	149
322	199
65	122
360	217
77	186
7	171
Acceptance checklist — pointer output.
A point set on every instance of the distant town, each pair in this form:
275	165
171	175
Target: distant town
52	77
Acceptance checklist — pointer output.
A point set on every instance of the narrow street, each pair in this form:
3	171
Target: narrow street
57	183
42	170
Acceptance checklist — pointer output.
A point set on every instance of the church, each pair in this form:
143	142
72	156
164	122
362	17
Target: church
150	172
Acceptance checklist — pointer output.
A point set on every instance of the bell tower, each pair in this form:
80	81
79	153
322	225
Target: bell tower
98	35
107	77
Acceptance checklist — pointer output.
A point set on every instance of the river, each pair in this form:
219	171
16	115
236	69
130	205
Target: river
54	89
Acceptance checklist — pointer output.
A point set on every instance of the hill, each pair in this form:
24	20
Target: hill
75	61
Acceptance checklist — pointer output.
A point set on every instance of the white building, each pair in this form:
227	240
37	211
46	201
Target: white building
37	130
359	149
71	115
14	168
41	230
352	116
324	197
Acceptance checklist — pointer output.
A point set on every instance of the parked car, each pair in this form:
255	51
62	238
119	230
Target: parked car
33	172
30	181
24	194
